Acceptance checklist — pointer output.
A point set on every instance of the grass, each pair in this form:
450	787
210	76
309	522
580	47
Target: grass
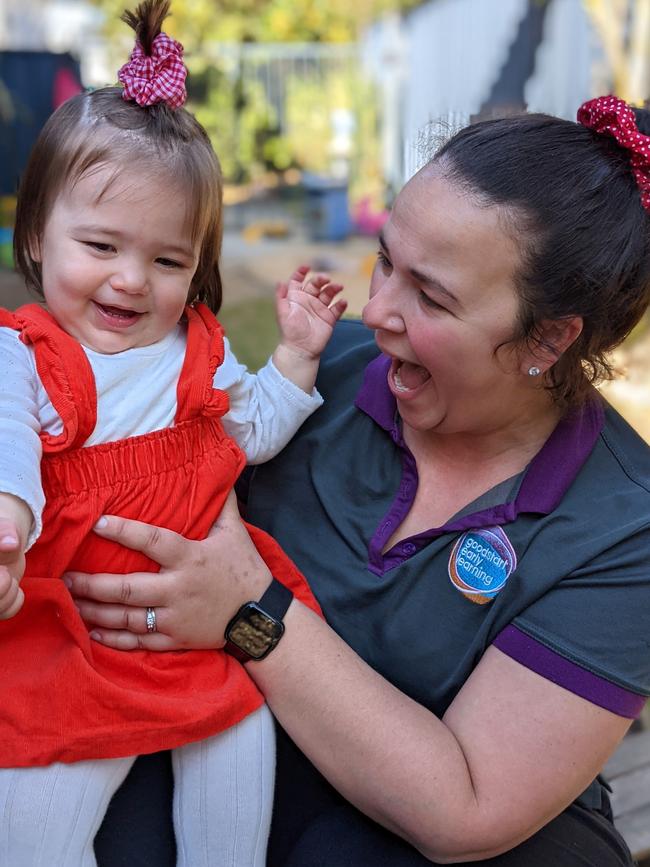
251	329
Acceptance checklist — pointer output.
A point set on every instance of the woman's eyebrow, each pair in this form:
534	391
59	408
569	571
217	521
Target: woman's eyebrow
434	284
421	277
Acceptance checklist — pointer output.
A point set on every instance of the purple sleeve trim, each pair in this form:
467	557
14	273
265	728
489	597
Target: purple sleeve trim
539	658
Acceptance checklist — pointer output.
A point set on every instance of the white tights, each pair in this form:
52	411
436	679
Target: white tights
223	795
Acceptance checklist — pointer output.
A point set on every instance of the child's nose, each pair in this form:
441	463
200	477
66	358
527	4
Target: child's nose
130	278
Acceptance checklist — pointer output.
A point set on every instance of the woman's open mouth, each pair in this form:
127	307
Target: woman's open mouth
117	317
406	379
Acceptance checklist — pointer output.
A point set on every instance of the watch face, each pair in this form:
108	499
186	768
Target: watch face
255	631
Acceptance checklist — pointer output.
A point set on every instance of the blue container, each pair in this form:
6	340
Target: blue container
327	209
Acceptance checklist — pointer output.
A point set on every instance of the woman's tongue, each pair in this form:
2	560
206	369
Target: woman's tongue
410	376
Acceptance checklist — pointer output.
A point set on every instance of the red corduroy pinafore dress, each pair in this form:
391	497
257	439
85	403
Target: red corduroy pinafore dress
64	697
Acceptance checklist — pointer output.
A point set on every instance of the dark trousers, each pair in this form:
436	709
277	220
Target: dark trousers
314	827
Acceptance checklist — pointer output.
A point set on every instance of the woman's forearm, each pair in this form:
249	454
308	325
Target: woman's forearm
385	753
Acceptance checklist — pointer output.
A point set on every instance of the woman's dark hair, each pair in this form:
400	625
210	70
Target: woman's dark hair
571	200
101	129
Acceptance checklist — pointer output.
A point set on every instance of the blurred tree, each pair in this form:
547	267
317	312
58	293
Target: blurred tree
229	98
197	22
624	29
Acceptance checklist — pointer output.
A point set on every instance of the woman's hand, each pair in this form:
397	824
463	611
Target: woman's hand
200	586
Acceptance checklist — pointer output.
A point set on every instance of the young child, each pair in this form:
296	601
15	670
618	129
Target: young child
122	396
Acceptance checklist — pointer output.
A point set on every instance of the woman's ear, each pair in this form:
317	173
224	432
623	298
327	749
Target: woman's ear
553	338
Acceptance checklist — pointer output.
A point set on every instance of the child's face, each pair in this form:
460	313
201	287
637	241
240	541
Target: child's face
117	269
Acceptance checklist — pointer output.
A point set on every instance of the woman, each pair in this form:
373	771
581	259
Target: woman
473	519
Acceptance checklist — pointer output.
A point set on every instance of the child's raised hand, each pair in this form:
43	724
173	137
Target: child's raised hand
12	567
305	316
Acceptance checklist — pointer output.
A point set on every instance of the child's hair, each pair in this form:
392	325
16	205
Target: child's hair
571	199
101	128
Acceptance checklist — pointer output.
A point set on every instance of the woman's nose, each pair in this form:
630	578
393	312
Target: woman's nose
381	312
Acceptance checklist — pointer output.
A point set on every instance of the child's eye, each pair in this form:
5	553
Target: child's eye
169	263
100	247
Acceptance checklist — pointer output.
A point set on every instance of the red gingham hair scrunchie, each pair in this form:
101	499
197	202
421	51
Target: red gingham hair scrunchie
612	116
159	77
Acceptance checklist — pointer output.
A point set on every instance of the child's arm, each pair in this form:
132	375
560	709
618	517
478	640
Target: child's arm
15	524
267	408
306	322
21	498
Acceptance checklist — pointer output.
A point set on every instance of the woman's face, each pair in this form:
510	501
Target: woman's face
443	303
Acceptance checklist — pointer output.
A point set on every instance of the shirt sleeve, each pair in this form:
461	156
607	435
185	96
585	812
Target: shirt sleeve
20	445
266	409
591	632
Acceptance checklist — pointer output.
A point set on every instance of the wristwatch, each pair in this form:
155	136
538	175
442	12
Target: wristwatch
257	627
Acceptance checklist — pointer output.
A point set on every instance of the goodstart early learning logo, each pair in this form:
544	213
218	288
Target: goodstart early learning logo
481	562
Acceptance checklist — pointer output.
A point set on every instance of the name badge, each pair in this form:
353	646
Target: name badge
481	562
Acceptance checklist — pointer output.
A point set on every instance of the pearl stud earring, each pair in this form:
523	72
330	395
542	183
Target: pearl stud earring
534	371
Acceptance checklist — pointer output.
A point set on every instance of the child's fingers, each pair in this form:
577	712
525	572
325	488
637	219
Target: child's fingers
11	596
299	274
14	561
281	290
319	280
329	292
9	539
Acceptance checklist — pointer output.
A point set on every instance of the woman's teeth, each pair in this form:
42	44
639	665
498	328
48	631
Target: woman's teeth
408	376
398	382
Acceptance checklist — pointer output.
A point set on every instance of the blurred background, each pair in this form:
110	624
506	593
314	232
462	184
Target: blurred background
319	111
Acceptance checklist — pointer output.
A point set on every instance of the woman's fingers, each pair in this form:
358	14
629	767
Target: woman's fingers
121	640
136	589
229	515
126	618
163	546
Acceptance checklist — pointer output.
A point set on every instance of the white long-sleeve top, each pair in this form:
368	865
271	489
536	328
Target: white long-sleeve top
136	394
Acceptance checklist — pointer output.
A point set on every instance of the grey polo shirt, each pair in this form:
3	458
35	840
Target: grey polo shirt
552	567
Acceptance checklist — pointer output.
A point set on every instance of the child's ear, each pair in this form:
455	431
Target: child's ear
554	337
34	246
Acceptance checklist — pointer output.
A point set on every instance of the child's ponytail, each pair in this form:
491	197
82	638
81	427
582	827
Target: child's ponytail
147	21
155	72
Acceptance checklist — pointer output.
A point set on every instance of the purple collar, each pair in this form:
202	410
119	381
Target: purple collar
549	474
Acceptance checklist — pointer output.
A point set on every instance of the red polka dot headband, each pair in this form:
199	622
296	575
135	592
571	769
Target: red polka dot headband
612	116
158	77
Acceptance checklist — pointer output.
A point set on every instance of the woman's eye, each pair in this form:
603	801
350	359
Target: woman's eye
428	301
383	260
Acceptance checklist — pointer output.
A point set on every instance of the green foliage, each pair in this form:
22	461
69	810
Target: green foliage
196	22
231	102
238	120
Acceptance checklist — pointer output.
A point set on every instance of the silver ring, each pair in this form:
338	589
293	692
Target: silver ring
151	619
